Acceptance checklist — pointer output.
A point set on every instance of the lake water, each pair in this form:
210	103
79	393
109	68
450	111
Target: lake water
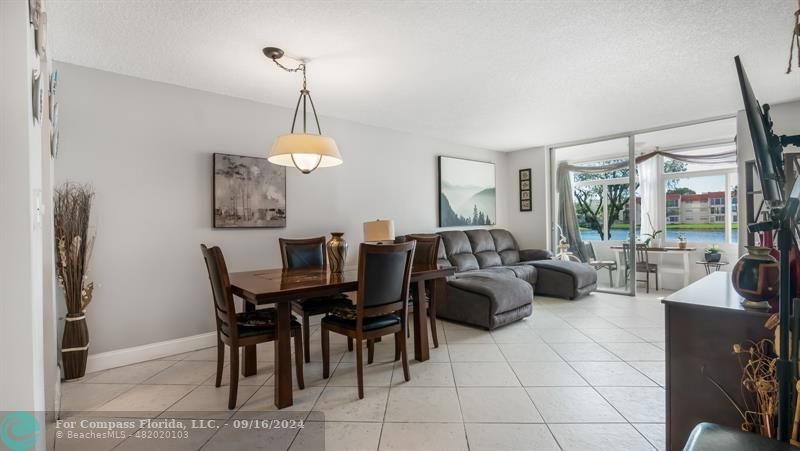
692	236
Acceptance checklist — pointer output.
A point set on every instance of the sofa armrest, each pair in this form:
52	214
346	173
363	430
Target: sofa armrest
527	255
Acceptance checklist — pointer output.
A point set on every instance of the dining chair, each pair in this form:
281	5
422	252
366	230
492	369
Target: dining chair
241	329
425	254
610	265
384	275
642	265
309	253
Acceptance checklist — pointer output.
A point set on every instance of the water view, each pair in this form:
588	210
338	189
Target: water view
692	236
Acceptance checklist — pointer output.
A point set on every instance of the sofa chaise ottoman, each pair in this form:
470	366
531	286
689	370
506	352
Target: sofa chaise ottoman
495	281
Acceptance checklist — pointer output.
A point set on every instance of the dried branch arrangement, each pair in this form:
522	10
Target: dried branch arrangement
759	384
759	379
72	209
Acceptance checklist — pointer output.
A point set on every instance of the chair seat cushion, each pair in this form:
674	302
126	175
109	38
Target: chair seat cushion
257	322
713	437
346	317
646	267
321	304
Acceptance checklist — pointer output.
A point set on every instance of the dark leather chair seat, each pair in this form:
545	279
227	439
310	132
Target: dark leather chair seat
257	322
713	437
346	317
319	305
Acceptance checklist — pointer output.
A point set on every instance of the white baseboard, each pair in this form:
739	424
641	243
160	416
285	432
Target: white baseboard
136	354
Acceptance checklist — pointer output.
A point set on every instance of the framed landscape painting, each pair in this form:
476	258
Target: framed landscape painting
248	192
466	192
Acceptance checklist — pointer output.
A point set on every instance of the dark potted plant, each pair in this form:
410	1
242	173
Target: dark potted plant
713	254
72	209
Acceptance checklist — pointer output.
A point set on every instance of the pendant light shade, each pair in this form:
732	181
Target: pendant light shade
303	150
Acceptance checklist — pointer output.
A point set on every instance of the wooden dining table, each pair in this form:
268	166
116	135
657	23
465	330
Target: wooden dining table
282	286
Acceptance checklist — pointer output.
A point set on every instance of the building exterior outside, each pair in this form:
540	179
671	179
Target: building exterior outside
704	208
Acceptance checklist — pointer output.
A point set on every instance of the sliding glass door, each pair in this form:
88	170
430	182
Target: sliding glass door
601	178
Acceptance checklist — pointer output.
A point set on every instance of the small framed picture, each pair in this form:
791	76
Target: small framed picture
525	185
525	195
524	205
524	174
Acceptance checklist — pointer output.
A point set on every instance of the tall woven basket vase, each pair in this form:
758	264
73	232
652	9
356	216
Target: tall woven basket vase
75	346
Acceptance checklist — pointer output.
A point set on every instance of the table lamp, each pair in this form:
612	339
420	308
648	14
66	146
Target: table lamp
379	231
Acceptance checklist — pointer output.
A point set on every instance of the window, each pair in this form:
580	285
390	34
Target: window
700	203
601	203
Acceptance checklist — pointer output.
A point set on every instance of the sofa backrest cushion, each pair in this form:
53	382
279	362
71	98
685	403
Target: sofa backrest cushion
459	250
483	248
506	246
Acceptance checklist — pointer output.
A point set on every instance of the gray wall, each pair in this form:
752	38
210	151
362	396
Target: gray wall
146	147
530	228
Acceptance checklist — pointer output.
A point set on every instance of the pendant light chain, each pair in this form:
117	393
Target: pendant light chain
305	97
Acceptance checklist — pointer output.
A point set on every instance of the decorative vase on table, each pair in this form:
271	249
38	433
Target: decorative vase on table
755	276
337	252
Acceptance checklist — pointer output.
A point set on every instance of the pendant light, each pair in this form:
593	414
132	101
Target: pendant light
303	150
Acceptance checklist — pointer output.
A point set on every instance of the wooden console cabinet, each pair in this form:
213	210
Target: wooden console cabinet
703	322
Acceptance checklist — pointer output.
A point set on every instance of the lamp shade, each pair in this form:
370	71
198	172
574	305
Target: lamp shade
379	230
305	151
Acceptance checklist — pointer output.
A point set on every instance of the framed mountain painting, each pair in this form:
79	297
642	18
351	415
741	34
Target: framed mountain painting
466	192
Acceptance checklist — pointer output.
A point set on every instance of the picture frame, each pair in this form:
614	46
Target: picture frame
248	192
467	192
525	192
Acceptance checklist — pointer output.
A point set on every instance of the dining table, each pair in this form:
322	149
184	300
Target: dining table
282	286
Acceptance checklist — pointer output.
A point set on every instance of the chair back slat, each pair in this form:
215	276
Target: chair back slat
384	274
642	254
224	310
427	249
303	253
589	248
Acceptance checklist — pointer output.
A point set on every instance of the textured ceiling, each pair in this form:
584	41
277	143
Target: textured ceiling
497	75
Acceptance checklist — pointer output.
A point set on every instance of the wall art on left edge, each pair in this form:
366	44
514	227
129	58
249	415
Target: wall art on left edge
248	192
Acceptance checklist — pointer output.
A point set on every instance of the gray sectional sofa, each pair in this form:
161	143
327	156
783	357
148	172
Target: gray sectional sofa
495	281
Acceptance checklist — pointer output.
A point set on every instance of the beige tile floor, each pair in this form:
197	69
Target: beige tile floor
576	375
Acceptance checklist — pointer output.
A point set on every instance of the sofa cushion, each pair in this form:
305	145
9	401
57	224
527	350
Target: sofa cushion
459	250
506	246
525	272
581	273
504	293
483	248
494	271
529	255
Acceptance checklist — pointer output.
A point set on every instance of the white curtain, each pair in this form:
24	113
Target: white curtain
651	201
